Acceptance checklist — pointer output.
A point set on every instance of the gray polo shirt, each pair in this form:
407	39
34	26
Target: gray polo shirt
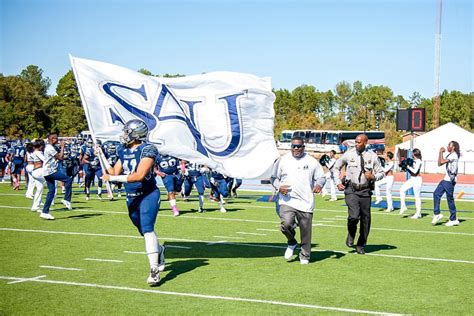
351	159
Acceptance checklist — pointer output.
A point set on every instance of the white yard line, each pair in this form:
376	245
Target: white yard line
236	244
253	234
228	237
60	268
406	230
135	252
195	295
103	260
21	280
268	230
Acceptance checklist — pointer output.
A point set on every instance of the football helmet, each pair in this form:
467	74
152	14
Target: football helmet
134	130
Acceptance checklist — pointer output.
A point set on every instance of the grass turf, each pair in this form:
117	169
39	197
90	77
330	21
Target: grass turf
399	274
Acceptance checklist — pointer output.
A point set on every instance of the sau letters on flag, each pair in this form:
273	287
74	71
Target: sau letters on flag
221	119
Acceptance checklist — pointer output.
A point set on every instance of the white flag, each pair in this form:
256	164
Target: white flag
221	119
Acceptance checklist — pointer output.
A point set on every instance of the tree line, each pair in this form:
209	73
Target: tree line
27	111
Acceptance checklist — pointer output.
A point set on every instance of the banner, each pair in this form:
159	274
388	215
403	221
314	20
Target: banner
221	119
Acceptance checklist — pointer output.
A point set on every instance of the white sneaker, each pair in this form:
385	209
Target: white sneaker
378	201
200	210
402	210
35	209
452	223
161	260
29	196
154	277
304	261
436	219
46	216
389	210
223	210
416	216
67	204
332	199
289	252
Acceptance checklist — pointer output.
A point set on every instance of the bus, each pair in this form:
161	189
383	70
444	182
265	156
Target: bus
341	141
285	140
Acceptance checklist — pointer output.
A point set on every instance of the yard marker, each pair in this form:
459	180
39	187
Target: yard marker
254	234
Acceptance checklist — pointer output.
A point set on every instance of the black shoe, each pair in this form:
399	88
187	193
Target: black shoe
360	250
349	241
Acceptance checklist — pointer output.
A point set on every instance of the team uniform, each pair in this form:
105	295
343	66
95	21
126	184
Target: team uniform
18	159
414	182
193	176
173	180
232	185
219	187
330	179
111	154
38	178
388	180
92	169
28	170
3	160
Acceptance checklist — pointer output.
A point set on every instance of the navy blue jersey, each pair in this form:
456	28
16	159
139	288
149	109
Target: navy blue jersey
216	175
94	162
168	164
19	154
194	169
130	159
112	158
3	152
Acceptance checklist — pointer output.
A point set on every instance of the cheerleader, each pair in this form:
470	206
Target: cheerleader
414	182
388	179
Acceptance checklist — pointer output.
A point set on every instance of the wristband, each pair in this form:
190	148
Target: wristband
122	178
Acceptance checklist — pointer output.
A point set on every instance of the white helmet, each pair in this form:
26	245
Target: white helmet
134	130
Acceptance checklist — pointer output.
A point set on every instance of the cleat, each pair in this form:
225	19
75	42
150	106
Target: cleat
333	199
46	216
154	277
29	196
223	210
289	252
402	210
36	209
304	261
87	198
99	196
200	210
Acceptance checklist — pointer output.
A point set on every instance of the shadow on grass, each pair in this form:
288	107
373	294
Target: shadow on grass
82	216
375	248
180	267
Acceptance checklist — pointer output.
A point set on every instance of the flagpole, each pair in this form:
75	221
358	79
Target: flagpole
81	94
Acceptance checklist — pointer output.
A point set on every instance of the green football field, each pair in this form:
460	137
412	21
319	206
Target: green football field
91	261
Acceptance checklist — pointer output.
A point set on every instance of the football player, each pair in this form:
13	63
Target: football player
111	154
135	169
193	176
93	169
168	168
219	187
3	159
17	164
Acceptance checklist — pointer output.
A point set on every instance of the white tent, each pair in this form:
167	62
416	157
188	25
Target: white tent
430	143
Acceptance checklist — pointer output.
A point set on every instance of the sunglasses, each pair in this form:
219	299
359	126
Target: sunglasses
293	146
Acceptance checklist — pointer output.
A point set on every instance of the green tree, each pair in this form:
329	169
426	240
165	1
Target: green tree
34	75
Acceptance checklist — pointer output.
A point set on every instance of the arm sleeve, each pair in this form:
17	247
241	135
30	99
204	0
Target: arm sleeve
275	178
150	151
341	162
331	163
318	176
388	166
378	170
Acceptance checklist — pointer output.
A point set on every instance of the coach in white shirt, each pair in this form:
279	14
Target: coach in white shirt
297	176
52	172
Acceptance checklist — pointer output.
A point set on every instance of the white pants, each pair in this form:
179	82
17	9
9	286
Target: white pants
415	183
389	181
39	181
31	181
332	185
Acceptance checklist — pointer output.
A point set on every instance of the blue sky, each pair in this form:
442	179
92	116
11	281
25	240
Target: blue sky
317	43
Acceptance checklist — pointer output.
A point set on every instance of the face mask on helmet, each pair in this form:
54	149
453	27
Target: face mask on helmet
90	143
111	149
132	131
